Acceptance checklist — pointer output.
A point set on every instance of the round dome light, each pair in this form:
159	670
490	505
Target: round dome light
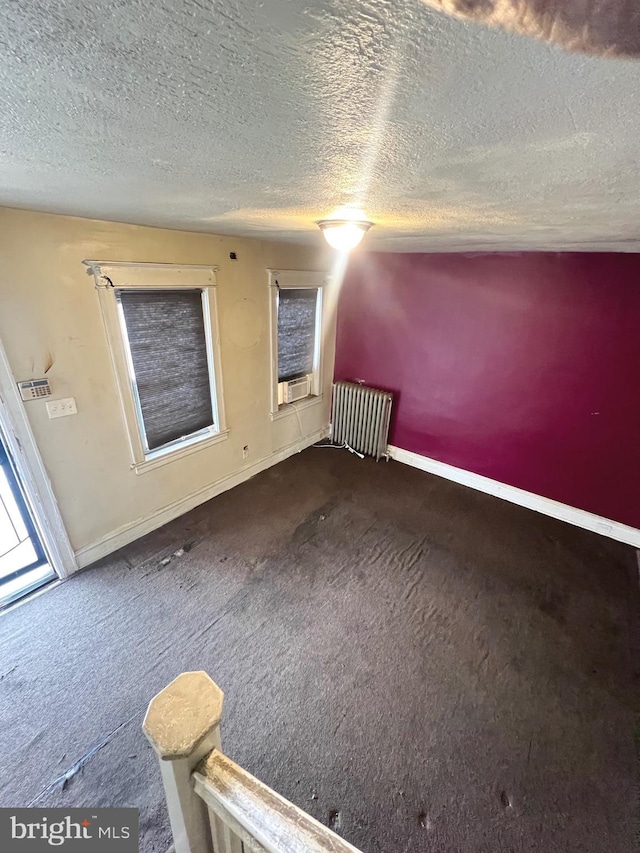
344	234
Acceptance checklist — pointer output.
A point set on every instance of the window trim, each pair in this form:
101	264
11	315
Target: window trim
110	276
298	280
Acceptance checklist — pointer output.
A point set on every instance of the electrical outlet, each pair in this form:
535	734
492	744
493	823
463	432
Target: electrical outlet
62	408
245	451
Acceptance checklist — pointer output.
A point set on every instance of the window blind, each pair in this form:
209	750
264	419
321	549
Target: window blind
296	332
165	330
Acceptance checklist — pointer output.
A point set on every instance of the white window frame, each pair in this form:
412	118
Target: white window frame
112	276
298	280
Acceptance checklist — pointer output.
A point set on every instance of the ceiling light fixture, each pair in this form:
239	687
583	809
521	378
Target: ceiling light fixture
344	234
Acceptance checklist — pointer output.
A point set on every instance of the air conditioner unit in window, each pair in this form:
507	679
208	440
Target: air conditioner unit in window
296	389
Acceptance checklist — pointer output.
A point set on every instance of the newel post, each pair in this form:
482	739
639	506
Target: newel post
182	724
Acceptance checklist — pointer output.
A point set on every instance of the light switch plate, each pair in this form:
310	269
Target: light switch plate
61	408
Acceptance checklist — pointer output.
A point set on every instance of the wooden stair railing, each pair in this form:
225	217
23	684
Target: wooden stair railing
214	805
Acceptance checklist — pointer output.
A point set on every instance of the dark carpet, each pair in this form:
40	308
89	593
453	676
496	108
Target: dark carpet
419	665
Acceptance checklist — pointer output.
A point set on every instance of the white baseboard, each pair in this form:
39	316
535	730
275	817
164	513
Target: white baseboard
547	506
124	535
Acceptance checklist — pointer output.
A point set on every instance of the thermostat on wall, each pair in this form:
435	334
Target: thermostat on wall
34	389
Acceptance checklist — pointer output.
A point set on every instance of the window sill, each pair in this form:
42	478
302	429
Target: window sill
289	408
179	453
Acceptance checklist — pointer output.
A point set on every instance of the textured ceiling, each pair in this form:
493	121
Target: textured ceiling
259	118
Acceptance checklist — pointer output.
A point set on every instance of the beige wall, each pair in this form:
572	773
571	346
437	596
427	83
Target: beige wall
49	315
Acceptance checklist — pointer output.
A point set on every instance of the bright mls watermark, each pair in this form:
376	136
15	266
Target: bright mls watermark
71	830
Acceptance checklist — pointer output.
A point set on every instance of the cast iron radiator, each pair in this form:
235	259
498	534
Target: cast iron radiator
360	418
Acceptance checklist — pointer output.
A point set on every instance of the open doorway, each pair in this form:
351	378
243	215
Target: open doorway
34	546
24	565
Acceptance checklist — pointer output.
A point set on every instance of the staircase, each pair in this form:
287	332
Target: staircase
214	805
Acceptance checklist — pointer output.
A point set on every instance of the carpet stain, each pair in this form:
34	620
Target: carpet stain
307	529
554	602
334	820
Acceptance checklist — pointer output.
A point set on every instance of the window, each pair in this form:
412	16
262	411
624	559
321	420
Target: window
162	329
168	363
296	333
297	328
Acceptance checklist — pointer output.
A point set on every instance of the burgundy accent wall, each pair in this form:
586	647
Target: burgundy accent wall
522	367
